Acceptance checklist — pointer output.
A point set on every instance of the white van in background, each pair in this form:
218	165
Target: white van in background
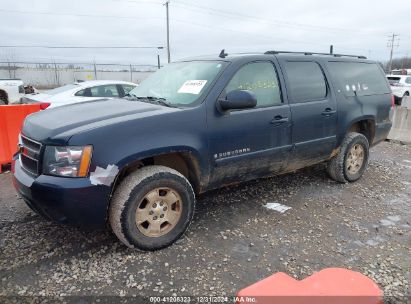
400	86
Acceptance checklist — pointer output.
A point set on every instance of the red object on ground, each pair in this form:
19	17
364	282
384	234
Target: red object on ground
11	122
328	286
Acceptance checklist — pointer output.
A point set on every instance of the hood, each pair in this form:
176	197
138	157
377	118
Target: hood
65	121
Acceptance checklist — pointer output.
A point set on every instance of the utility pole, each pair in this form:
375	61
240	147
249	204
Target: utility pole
131	73
393	41
95	71
168	31
56	73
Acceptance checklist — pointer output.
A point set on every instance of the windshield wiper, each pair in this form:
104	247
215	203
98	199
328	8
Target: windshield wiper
152	99
160	101
130	95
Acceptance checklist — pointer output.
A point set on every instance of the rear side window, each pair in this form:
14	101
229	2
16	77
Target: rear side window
408	80
306	81
83	93
104	91
358	78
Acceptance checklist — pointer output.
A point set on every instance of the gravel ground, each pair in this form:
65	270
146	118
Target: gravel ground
233	242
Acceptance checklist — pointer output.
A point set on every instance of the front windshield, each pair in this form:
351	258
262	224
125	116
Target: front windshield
179	83
62	89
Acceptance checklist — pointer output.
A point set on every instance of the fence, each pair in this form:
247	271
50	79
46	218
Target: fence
50	75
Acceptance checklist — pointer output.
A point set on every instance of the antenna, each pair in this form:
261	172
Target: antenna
223	54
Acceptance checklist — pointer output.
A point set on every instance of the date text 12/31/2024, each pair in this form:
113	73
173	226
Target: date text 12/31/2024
202	299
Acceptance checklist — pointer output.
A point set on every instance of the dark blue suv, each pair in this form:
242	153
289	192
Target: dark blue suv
199	124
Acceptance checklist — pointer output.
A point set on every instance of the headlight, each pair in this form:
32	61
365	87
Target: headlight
67	161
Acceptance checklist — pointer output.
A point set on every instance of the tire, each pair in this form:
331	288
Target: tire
153	190
340	168
406	94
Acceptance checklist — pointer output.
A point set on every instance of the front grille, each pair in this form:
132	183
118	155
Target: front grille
30	155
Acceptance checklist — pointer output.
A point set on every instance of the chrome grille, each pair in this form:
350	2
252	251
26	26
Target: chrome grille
30	155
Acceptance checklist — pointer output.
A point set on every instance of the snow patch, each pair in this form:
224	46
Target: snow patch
103	176
277	207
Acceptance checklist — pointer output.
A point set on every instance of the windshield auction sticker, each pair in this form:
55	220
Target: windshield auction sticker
192	86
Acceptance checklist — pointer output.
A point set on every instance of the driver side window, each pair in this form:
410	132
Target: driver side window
261	79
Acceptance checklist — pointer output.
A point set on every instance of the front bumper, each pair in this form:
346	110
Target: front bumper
73	201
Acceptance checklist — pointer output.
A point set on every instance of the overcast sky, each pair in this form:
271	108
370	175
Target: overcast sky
199	27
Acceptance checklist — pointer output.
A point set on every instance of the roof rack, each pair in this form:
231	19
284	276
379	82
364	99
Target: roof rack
312	53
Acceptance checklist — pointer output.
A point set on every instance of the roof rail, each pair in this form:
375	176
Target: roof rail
313	53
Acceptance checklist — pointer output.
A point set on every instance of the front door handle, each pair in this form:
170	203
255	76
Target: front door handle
328	112
279	120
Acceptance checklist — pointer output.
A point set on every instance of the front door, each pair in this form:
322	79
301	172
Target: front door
250	143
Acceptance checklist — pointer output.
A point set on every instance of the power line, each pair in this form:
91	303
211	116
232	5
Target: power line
140	1
78	63
76	15
278	22
183	5
81	47
275	22
199	8
277	39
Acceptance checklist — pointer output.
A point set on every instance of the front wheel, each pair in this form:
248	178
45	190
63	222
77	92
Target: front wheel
406	94
152	208
350	164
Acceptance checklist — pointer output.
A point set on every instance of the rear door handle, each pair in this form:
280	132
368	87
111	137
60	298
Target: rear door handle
328	112
279	120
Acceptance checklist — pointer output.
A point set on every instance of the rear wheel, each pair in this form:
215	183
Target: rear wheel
398	100
350	164
152	208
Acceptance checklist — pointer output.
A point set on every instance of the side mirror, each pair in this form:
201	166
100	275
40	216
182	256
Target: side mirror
238	99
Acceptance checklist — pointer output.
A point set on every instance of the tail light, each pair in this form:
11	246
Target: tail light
392	101
44	105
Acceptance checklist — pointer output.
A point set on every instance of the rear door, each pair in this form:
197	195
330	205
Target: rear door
314	112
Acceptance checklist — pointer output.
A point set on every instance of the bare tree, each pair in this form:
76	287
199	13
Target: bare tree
400	63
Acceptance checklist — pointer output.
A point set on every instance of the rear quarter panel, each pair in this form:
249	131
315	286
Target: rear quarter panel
352	109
